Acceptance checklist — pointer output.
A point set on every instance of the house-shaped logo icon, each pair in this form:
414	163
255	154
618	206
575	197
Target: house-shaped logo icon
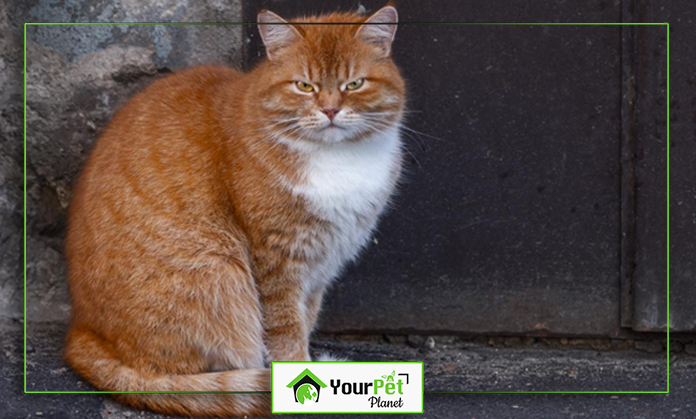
306	387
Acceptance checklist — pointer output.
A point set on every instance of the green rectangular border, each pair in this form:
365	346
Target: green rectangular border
402	23
352	413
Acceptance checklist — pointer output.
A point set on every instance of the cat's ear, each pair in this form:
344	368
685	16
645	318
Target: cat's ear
276	32
380	29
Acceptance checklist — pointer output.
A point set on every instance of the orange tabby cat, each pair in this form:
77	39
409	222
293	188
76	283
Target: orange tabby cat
217	206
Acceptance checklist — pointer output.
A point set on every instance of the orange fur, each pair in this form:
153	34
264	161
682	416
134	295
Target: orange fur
194	249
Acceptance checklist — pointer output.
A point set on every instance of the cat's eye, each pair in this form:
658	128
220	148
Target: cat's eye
305	87
355	85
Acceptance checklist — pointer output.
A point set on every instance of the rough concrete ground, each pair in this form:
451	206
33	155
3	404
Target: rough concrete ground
451	364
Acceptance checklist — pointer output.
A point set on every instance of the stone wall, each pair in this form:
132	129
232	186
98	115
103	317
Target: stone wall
77	77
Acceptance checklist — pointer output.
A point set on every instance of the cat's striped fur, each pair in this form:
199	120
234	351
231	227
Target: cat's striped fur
217	206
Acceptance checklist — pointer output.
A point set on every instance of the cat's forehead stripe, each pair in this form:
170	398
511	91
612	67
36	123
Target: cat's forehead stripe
333	71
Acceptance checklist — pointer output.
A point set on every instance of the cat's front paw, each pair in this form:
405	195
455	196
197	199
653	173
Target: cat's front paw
327	357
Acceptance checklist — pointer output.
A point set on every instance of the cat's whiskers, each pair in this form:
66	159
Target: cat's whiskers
409	132
291	124
289	130
382	113
422	133
274	119
380	124
272	137
275	124
387	113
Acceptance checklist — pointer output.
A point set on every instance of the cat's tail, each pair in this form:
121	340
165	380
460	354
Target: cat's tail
92	359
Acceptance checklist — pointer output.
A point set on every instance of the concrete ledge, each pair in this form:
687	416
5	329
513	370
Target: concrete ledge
451	365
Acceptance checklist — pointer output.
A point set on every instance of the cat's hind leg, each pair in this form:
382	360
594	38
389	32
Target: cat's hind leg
186	326
97	361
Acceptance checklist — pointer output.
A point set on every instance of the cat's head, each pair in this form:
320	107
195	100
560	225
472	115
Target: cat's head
330	78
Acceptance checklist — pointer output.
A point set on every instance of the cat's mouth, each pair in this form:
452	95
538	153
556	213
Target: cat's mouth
332	127
332	133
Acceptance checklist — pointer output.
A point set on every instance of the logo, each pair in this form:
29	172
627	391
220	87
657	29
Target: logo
389	377
347	387
306	387
386	387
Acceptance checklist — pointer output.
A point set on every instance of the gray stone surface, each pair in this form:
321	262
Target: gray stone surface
10	163
453	364
650	346
77	77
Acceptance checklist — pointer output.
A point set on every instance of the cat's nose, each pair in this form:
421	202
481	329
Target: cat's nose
331	112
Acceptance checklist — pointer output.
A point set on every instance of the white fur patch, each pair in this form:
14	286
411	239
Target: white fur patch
349	176
347	184
326	357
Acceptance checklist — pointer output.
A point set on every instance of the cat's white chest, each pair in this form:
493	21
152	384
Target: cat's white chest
350	177
348	185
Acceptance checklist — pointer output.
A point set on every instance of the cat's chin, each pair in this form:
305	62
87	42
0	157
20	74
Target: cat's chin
333	134
339	135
